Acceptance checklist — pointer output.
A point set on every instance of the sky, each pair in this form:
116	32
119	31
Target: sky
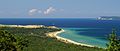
58	8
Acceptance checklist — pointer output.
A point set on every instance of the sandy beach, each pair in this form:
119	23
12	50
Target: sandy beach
50	34
65	40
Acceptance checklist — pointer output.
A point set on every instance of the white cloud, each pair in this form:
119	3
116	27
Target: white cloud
33	11
49	10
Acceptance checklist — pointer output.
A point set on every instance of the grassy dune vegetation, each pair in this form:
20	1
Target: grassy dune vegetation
40	42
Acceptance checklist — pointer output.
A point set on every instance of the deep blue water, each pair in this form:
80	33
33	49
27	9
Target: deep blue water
101	26
98	29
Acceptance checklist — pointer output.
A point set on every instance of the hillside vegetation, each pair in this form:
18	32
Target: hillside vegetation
40	42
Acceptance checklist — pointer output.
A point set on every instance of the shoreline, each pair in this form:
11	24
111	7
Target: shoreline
65	40
27	26
50	34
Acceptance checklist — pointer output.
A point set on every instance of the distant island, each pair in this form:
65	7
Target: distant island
108	18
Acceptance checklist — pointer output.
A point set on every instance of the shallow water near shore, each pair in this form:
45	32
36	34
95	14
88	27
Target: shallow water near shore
78	37
87	31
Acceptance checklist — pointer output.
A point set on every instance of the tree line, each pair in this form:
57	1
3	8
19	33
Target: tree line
11	42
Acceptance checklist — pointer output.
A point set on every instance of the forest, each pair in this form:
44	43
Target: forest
38	41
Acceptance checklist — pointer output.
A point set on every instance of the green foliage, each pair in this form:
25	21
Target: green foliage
10	42
40	42
114	43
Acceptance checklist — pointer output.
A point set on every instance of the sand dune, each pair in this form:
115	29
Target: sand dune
55	35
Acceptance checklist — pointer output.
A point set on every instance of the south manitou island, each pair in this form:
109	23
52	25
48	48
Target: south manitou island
45	38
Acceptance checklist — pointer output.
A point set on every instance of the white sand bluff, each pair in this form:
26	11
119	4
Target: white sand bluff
27	26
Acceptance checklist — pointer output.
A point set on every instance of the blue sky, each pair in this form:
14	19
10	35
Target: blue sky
58	8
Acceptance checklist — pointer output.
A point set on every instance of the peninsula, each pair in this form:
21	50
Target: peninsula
45	38
50	34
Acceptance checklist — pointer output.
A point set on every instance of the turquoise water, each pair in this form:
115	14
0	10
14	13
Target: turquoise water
75	36
88	30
